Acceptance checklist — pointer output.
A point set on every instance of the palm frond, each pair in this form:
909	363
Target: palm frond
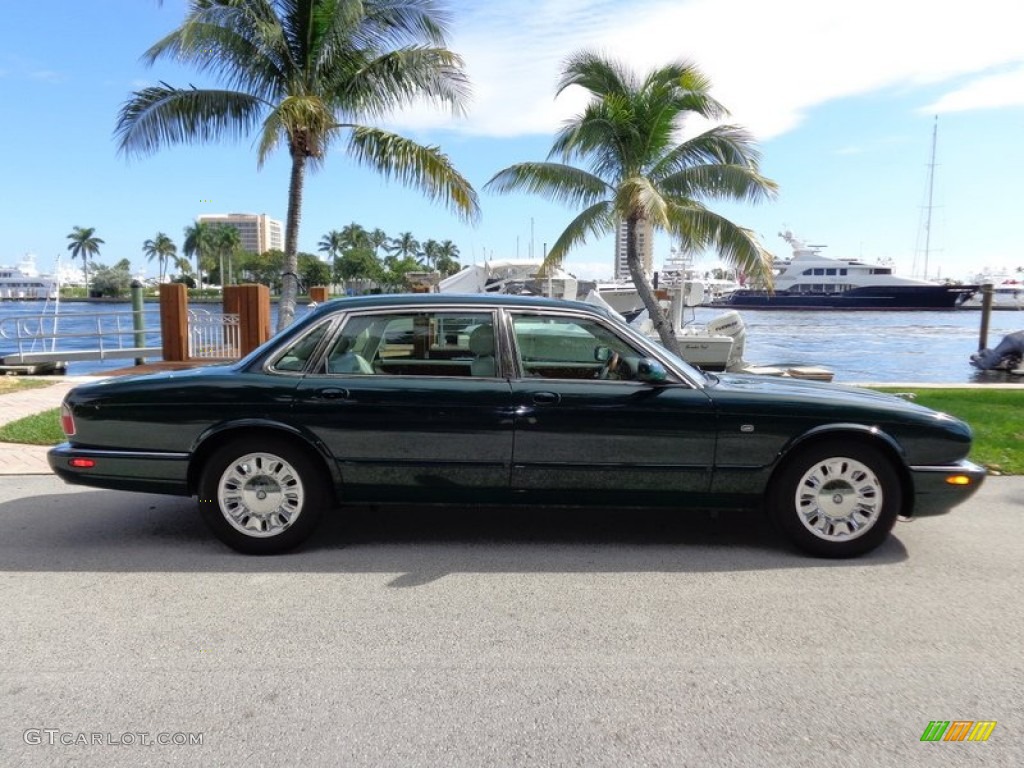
557	182
163	114
696	228
399	78
720	182
596	221
423	167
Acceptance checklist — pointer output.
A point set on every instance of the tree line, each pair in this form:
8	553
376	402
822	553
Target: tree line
355	256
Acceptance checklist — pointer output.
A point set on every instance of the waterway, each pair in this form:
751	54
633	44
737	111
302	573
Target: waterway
929	347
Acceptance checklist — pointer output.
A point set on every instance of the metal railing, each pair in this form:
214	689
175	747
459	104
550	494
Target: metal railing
84	336
212	336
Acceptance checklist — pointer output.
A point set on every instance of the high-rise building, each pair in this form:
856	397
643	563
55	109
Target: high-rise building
644	244
258	231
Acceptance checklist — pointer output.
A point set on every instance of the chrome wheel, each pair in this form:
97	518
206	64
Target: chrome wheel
839	499
260	494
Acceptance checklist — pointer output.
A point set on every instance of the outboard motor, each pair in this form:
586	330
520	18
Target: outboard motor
1007	356
731	324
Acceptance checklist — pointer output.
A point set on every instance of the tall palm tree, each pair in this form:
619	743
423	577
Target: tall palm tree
161	248
86	245
405	245
638	170
305	73
431	253
333	243
354	236
378	239
225	240
198	243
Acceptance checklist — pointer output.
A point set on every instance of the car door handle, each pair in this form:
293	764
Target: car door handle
332	393
546	398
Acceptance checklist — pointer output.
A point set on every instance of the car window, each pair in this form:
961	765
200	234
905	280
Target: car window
298	353
416	344
572	348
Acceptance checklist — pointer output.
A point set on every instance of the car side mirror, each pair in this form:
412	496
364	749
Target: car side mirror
651	371
602	354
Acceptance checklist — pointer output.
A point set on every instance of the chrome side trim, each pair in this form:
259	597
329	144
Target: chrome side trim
126	454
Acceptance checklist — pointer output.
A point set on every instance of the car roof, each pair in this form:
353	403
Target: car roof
432	299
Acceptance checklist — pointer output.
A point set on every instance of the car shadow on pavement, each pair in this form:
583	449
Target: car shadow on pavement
110	531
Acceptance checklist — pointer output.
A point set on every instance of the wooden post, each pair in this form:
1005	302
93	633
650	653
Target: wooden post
253	302
174	321
319	294
986	312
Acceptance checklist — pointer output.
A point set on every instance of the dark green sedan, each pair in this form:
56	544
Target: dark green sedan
505	400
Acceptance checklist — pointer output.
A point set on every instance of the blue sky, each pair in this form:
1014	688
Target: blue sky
842	97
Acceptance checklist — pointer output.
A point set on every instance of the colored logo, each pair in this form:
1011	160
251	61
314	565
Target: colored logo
958	730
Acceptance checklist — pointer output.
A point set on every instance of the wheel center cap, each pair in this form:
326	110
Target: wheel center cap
262	495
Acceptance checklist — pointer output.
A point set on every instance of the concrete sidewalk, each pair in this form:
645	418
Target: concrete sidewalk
16	459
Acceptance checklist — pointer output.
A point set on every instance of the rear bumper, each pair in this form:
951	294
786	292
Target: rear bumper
935	494
122	470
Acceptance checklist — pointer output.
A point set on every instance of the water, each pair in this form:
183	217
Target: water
857	346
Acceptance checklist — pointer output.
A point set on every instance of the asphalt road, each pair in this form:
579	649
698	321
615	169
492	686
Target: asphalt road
428	637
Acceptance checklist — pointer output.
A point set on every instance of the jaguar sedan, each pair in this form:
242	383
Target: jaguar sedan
505	400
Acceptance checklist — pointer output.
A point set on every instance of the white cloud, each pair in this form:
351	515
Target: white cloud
769	61
1005	89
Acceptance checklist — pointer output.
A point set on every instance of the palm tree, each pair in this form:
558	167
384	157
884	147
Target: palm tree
628	135
405	245
306	73
198	243
333	243
86	245
161	248
354	236
431	253
226	240
378	239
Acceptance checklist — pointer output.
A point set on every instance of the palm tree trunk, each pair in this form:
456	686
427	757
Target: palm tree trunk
662	325
289	278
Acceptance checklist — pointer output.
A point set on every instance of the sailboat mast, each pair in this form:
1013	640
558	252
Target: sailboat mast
931	190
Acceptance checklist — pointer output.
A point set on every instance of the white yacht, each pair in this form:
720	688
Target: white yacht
24	281
1007	290
809	280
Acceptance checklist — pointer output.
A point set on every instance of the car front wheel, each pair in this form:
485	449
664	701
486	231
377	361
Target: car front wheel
261	496
836	499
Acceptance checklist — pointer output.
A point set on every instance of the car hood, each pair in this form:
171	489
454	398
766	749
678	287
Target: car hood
781	387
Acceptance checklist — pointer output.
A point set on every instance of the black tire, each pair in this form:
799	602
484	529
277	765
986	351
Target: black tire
836	499
262	496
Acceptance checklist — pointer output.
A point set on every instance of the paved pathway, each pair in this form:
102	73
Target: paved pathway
31	459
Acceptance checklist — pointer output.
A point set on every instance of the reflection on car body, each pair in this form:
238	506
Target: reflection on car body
503	399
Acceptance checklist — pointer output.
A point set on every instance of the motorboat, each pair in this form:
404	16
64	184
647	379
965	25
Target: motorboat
24	281
511	277
809	280
1007	291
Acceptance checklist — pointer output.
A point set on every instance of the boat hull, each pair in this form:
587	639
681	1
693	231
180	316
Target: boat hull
907	298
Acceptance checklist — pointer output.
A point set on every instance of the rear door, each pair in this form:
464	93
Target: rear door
408	410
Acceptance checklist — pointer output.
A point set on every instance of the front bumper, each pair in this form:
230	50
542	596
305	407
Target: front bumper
935	491
147	472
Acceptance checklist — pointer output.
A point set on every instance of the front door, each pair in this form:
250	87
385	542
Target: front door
587	430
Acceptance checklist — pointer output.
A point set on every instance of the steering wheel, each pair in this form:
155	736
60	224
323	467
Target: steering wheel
609	367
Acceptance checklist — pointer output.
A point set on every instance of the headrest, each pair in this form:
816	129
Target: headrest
481	340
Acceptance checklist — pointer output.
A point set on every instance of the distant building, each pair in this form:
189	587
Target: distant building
258	231
644	244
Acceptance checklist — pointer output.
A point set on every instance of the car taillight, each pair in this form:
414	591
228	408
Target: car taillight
67	420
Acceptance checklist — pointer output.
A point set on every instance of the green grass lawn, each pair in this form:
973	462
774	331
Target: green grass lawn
17	384
995	415
37	429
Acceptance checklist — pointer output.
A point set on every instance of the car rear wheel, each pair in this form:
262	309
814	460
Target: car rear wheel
261	496
836	499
